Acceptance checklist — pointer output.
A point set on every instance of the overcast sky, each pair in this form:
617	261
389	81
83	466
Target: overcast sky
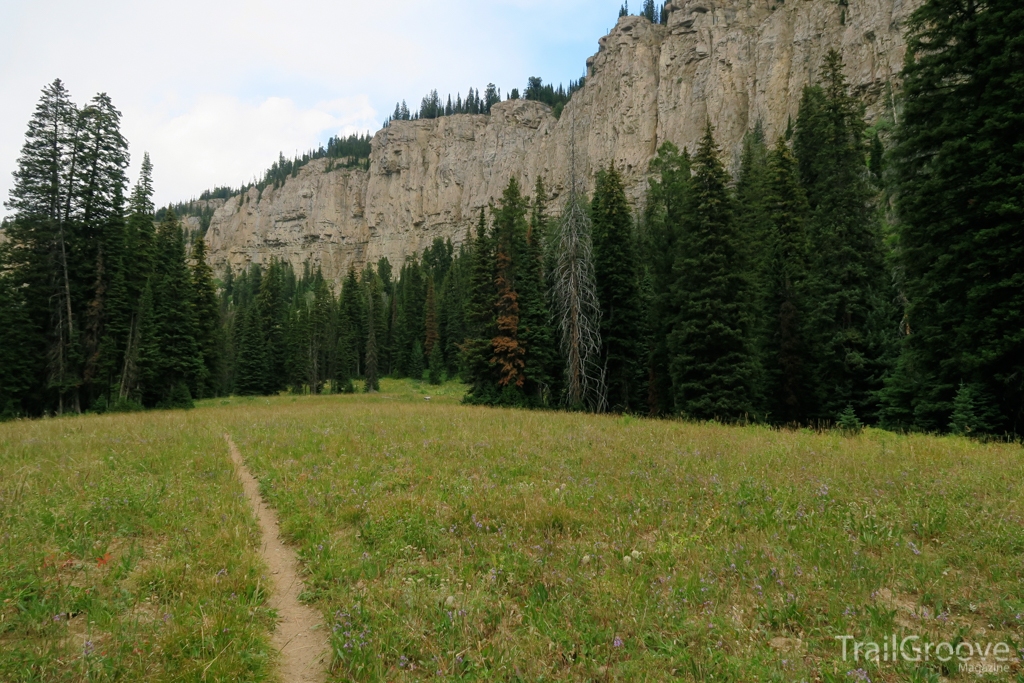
214	89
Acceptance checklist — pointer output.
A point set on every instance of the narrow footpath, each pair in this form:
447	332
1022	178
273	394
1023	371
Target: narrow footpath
303	647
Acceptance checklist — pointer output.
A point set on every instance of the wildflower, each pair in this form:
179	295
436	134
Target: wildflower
627	559
617	642
913	548
636	554
222	572
586	560
859	674
87	648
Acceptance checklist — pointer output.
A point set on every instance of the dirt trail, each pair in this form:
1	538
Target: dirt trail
303	647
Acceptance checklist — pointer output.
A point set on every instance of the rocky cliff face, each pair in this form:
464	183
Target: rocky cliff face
735	62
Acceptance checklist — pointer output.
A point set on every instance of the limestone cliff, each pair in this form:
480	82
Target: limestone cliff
734	62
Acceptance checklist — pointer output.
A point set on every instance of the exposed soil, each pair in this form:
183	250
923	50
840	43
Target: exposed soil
300	636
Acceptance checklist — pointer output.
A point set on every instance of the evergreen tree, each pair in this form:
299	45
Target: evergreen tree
177	362
509	242
431	333
323	354
958	168
650	12
668	204
250	378
350	331
453	313
853	319
208	322
783	292
436	366
476	349
711	358
541	364
618	290
98	263
40	241
271	305
416	364
372	384
16	334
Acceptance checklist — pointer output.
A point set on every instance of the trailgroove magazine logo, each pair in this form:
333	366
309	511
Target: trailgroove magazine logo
976	657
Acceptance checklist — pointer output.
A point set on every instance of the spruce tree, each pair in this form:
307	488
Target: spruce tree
711	355
783	304
371	383
208	322
958	169
350	331
668	204
271	305
476	349
416	365
853	320
432	336
178	362
618	290
250	378
41	246
435	368
542	365
99	262
16	334
508	350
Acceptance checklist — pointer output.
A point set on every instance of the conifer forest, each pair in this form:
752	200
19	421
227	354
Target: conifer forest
843	273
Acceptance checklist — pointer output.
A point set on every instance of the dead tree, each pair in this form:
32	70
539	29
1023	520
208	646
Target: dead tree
576	307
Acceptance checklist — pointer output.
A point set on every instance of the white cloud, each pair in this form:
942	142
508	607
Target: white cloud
214	89
222	140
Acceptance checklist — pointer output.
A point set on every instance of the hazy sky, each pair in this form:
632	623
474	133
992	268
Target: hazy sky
214	89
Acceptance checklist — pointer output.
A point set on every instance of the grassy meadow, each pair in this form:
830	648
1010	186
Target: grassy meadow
450	542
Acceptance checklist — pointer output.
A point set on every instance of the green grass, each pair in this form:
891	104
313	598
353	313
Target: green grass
127	553
478	544
450	542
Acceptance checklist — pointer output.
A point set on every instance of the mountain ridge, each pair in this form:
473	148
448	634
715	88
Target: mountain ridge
733	62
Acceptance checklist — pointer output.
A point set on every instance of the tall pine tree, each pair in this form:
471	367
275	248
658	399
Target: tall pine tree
618	291
959	167
711	356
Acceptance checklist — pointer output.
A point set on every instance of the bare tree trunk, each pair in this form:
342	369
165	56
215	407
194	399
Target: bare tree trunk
577	310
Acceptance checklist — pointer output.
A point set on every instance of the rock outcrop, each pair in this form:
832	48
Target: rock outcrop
733	62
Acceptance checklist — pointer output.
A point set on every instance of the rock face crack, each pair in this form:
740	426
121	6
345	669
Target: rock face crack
299	637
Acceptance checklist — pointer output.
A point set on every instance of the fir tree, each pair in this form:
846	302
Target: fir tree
208	322
668	204
40	242
618	290
271	306
436	366
431	334
371	383
509	242
140	239
958	168
416	364
853	319
541	364
177	360
350	331
711	358
476	349
250	379
783	282
17	370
